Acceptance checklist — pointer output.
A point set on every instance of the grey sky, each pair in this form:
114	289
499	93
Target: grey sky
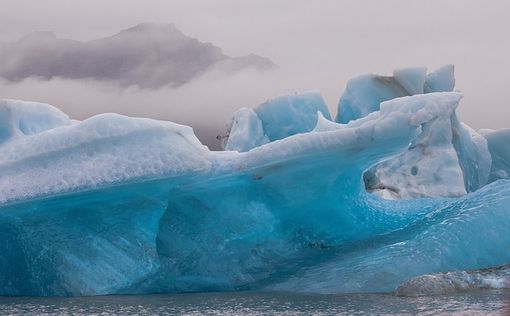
316	44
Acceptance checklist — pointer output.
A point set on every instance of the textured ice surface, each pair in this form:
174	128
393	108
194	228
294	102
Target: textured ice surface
103	150
441	80
456	281
365	93
499	146
245	131
128	205
457	234
291	114
474	156
447	159
430	166
278	118
19	118
411	79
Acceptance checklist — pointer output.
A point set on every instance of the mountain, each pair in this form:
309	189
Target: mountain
150	55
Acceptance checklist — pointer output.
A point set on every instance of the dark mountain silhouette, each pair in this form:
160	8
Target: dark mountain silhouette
148	55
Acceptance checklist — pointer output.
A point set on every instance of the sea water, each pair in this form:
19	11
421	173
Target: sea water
483	302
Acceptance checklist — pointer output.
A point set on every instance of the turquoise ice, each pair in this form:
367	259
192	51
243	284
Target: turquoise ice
277	118
115	204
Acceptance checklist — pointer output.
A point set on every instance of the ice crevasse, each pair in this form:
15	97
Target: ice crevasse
114	204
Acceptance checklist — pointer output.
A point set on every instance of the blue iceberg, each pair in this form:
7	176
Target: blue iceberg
498	143
120	205
278	118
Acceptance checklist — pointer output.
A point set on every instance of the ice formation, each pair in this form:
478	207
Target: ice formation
278	118
114	204
245	131
456	281
499	146
365	93
447	159
27	118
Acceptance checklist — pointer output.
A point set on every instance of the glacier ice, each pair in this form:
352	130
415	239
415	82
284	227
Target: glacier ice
120	205
430	166
103	150
245	131
457	158
411	79
365	93
459	234
440	80
447	159
473	152
499	146
278	118
291	114
456	281
18	118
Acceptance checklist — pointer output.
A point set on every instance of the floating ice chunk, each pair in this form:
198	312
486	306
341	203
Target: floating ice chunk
499	146
245	131
220	219
456	281
441	80
116	205
411	79
18	118
291	114
364	94
275	119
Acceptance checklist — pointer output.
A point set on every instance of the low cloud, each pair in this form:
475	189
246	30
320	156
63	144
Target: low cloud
205	103
148	55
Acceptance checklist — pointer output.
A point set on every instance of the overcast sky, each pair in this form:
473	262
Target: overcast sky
316	44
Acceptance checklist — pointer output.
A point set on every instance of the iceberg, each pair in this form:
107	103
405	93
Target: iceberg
122	205
441	241
278	118
365	93
448	159
440	80
499	146
456	281
103	150
19	118
245	131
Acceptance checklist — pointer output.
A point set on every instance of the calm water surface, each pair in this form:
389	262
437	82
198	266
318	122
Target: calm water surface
248	303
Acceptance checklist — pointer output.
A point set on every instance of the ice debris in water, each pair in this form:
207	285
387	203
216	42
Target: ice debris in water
456	281
114	204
